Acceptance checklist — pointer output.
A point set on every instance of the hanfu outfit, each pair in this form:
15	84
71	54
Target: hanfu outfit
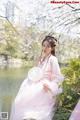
32	101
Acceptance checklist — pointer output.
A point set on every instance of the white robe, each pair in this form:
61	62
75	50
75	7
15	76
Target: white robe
32	101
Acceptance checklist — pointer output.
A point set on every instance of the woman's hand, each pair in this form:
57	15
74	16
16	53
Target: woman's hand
46	88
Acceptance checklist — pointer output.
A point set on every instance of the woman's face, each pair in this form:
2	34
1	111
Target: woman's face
46	48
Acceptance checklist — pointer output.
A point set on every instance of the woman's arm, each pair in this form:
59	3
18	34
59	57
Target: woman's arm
57	77
40	59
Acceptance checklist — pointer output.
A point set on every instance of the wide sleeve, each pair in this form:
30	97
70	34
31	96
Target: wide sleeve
57	77
56	72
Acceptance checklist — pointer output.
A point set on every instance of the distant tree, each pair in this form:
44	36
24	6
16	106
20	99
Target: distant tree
11	43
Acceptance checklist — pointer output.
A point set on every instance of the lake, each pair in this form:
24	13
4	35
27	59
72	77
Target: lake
10	81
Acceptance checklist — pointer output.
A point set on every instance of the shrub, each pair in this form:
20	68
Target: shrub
71	90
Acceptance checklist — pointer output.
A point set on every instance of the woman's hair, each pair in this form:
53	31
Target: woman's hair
52	42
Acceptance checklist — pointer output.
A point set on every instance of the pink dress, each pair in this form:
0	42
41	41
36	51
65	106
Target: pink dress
76	112
32	101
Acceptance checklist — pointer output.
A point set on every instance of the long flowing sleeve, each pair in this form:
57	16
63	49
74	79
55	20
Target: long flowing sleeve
57	77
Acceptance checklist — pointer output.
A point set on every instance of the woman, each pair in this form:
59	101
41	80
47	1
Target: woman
37	95
76	112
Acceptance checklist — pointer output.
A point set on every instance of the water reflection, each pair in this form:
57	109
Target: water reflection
10	81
